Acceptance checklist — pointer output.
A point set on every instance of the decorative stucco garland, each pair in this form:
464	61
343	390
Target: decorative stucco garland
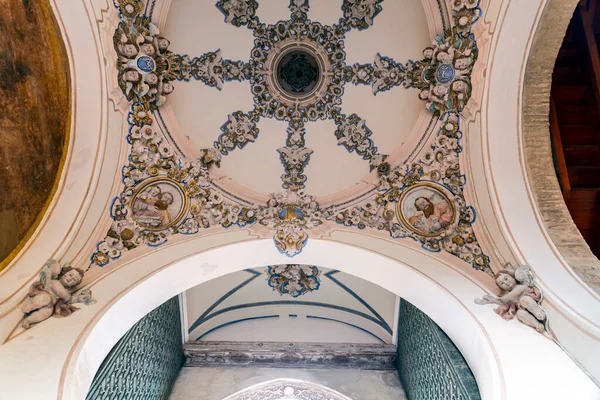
293	279
293	213
439	167
146	68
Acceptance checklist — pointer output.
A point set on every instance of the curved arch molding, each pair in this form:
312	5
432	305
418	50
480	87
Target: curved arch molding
486	341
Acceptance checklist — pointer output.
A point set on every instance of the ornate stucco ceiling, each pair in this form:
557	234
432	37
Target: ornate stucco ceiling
197	110
295	78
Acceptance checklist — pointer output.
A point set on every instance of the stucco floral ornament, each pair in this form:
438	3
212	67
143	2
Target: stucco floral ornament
423	201
293	279
521	297
444	74
360	13
238	12
54	294
145	65
291	215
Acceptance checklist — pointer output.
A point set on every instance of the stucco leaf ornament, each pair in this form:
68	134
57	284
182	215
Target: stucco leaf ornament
360	13
238	12
238	131
521	297
291	215
293	279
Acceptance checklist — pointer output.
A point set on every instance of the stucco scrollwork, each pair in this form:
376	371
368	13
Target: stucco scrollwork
293	279
423	201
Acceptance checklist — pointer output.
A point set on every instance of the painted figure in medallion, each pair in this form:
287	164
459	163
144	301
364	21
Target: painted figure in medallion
426	210
521	298
158	205
53	294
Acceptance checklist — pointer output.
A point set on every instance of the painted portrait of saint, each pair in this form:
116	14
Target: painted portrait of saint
158	205
426	210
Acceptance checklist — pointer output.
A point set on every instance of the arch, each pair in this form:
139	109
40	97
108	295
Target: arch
537	147
293	389
517	161
444	294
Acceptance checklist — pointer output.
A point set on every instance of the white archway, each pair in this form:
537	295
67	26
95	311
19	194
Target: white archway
573	308
505	368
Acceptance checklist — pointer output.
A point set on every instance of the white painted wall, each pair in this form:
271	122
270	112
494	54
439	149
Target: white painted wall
509	360
289	329
573	308
284	328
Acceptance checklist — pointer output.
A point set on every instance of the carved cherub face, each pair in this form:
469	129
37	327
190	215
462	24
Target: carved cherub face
459	86
428	53
440	90
71	278
132	76
163	43
129	50
462	63
505	282
167	88
151	79
424	94
148	49
443	57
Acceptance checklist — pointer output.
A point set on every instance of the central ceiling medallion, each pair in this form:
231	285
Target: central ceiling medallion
299	72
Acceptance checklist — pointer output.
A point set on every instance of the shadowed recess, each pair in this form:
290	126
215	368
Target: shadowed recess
34	121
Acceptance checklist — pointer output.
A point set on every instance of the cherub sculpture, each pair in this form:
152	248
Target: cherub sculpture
521	298
53	294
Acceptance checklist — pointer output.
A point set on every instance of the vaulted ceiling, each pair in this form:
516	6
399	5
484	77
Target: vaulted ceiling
292	118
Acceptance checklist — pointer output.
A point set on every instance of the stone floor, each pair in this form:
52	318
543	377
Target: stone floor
218	383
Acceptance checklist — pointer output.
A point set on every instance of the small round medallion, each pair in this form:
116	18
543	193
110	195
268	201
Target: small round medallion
444	73
145	64
158	204
298	72
427	209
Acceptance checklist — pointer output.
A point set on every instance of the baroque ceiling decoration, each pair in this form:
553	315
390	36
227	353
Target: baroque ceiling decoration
293	279
297	72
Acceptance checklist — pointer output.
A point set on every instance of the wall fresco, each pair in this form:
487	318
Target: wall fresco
34	121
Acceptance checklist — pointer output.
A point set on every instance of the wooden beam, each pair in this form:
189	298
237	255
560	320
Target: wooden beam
587	20
290	355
